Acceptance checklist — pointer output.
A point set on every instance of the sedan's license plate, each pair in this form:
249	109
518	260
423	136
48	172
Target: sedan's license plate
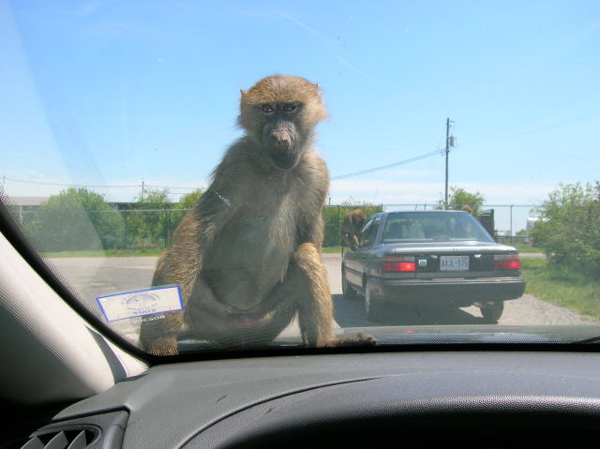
454	263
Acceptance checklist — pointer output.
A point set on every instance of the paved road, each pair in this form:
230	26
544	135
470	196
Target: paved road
92	277
526	310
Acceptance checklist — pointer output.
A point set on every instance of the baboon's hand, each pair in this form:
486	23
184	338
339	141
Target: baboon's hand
163	346
358	339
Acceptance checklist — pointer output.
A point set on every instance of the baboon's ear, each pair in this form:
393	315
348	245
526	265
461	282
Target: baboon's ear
243	92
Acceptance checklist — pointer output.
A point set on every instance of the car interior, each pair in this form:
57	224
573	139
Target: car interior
112	320
419	228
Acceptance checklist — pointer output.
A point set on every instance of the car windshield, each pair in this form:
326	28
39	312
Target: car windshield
197	177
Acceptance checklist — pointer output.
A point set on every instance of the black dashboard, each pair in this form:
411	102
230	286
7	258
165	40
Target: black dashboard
472	398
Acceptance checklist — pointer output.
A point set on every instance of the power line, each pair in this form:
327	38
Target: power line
395	164
68	185
103	186
128	186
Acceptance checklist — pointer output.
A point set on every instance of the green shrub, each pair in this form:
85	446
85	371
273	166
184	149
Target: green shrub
569	229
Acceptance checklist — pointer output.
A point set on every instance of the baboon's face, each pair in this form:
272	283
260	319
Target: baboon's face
280	113
281	138
351	226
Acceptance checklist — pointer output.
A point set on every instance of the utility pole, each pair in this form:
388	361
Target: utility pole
449	143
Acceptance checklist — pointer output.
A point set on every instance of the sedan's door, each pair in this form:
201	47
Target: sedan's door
356	262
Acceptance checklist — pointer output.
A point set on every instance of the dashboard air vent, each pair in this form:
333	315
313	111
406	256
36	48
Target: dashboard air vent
64	439
102	431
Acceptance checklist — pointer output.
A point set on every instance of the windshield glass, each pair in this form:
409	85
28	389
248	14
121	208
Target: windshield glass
237	175
433	226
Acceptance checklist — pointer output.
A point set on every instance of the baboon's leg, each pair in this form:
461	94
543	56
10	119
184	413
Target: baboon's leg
307	286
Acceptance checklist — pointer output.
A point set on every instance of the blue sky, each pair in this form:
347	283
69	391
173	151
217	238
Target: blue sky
111	94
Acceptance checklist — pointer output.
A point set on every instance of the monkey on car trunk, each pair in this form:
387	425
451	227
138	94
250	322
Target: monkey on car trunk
247	257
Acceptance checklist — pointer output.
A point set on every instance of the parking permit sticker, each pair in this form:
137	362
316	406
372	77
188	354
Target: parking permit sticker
137	304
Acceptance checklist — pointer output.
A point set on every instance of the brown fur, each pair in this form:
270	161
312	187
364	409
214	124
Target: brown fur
351	226
247	256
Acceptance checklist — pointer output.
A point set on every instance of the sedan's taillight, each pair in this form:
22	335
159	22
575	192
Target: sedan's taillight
399	264
507	262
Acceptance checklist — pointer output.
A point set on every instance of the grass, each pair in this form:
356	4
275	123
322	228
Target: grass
522	248
562	287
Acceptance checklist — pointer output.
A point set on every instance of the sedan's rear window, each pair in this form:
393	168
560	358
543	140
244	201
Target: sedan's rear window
432	226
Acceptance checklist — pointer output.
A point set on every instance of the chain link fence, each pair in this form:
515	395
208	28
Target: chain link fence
76	229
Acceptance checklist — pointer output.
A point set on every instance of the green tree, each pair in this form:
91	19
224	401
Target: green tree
459	198
569	228
149	223
180	208
76	219
188	201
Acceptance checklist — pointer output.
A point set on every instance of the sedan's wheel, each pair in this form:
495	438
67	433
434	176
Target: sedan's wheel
373	306
492	312
347	291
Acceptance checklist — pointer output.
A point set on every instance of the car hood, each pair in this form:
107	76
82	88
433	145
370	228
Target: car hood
435	335
479	334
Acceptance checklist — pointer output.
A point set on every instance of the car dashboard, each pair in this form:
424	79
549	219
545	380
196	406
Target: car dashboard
504	398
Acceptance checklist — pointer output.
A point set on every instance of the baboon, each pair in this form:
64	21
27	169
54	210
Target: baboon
247	257
351	226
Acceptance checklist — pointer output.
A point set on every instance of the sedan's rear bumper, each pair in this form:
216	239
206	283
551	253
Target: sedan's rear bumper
464	291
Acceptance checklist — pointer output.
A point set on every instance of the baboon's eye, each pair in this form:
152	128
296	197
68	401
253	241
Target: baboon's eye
267	109
289	107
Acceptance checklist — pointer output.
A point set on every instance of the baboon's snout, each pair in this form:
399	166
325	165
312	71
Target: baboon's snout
281	140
